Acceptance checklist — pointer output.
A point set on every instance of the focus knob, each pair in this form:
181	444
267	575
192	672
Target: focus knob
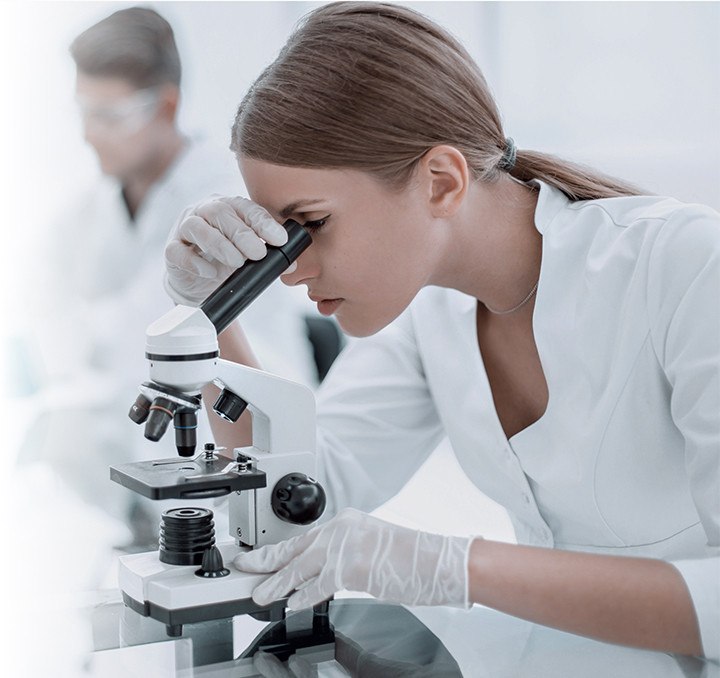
298	499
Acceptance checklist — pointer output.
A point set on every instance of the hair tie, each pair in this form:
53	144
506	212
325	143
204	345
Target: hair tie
507	162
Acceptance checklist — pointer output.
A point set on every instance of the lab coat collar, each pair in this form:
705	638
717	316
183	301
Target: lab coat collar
550	203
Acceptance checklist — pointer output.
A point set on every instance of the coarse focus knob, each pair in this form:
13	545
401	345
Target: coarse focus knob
298	499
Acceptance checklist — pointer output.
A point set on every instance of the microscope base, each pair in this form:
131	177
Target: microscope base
175	619
175	595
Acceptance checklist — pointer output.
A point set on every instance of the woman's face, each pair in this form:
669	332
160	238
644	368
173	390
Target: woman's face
373	248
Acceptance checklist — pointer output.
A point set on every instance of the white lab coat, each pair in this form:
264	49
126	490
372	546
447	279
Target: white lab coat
626	458
103	287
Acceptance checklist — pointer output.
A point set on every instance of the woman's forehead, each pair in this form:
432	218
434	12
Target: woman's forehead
288	189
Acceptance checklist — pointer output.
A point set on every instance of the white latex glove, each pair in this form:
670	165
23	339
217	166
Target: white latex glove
213	238
359	552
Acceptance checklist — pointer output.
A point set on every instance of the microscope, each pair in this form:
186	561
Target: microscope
270	487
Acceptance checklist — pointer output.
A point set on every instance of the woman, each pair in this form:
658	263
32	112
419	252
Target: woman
560	328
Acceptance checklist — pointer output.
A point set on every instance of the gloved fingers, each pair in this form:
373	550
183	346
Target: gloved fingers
247	241
314	592
220	214
182	258
259	219
303	569
198	231
272	557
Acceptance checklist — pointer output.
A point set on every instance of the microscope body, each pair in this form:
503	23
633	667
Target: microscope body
270	487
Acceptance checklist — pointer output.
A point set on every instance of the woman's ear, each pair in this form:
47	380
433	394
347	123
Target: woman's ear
446	175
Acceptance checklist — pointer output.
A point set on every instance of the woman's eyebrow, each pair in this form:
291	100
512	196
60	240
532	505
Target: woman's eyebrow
293	207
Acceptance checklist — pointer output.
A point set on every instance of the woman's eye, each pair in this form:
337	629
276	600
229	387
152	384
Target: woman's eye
316	224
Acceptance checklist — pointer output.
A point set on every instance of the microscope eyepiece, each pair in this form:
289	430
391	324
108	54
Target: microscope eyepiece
161	412
248	282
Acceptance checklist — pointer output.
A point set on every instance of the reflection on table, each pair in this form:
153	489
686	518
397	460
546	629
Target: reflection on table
370	639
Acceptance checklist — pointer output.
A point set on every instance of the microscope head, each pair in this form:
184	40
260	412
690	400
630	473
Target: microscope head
182	347
182	350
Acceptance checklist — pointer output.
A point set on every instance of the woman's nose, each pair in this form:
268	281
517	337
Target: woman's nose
301	270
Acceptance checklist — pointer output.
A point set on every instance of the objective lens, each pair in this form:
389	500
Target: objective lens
161	413
140	409
185	432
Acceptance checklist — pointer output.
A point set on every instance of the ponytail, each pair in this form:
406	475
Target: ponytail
576	181
374	86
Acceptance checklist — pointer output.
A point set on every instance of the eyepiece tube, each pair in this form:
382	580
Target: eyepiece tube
254	277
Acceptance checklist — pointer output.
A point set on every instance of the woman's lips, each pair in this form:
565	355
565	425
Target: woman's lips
328	306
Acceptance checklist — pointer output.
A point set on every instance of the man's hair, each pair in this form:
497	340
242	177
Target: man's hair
136	44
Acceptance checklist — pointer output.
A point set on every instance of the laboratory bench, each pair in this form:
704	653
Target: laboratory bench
364	637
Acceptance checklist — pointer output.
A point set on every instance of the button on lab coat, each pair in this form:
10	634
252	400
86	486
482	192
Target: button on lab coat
626	458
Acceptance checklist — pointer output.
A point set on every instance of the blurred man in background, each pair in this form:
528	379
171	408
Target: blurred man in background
105	267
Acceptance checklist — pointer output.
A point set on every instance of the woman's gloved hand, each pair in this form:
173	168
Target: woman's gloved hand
359	552
213	238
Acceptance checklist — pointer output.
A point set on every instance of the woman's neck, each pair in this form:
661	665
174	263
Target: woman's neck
495	252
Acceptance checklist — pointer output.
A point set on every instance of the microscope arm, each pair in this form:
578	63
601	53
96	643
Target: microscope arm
283	412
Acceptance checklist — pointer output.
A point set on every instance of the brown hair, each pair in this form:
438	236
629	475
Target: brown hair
136	44
374	86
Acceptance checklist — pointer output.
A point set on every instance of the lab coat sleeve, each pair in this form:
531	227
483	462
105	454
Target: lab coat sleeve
377	422
684	308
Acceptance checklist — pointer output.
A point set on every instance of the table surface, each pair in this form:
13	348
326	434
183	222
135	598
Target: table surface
422	642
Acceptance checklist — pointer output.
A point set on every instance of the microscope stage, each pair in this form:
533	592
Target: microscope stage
186	478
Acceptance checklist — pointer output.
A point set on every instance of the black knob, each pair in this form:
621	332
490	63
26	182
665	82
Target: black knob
298	499
229	406
212	565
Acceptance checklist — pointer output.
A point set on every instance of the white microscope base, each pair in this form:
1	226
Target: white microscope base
174	587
